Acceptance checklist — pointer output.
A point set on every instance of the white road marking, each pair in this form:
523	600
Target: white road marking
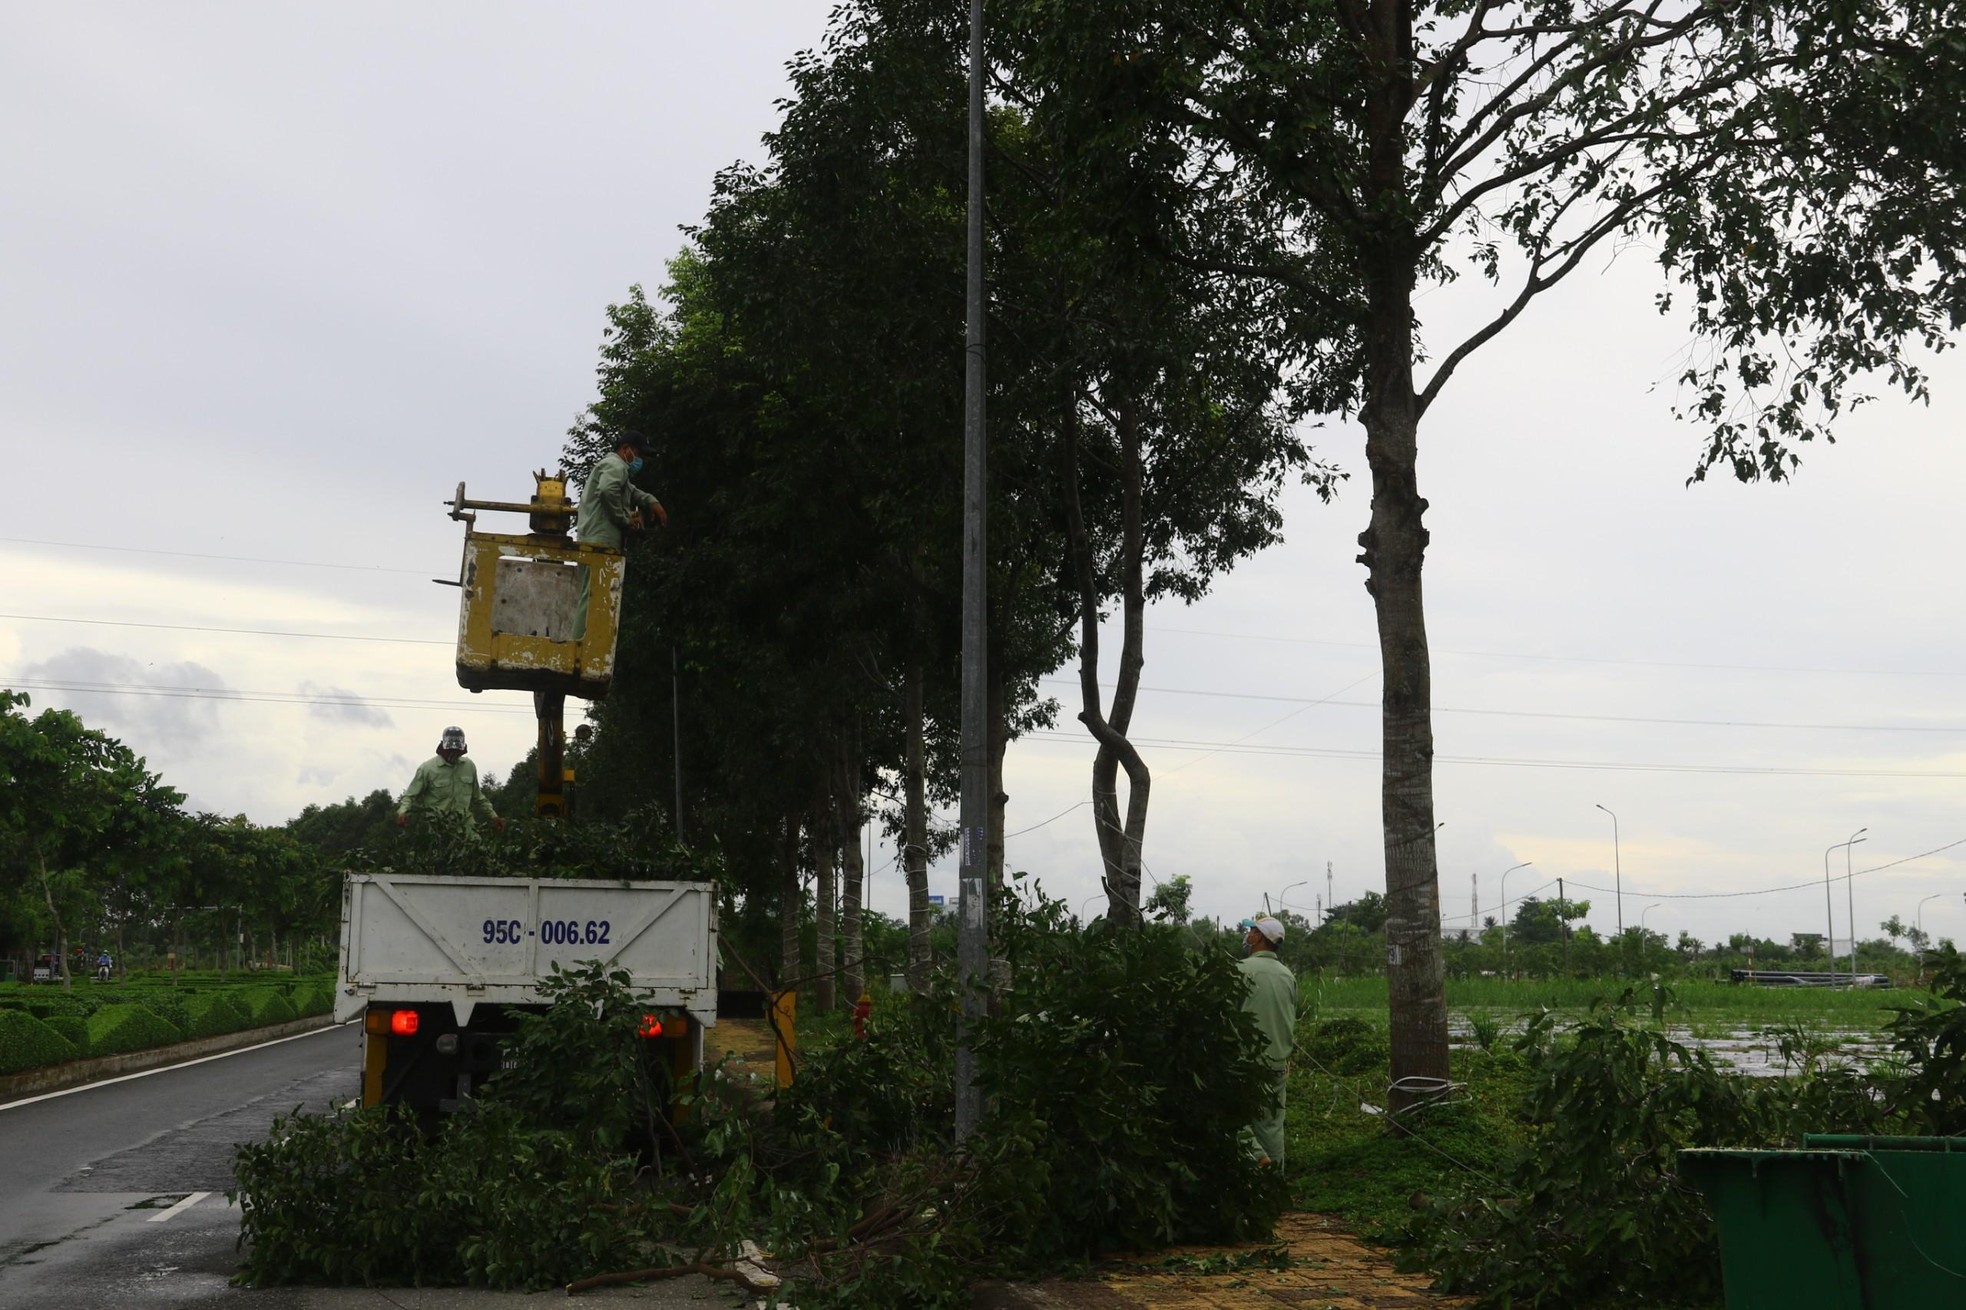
179	1208
86	1087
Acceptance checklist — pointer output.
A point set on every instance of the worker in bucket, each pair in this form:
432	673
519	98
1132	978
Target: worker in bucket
611	504
1272	999
447	784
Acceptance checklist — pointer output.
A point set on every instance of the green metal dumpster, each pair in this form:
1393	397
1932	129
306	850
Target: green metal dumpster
1845	1223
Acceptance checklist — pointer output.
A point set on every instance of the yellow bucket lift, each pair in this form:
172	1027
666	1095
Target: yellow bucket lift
516	620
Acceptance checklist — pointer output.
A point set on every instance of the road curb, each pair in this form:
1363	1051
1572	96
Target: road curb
75	1073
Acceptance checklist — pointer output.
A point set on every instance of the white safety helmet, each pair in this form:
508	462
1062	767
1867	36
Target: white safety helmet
453	740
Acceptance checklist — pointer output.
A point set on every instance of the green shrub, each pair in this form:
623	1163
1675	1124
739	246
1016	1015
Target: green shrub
27	1043
266	1006
214	1014
115	1029
72	1027
312	998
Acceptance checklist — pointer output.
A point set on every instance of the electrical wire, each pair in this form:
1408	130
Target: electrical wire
1307	702
233	559
242	632
1580	659
1811	885
1319	752
259	697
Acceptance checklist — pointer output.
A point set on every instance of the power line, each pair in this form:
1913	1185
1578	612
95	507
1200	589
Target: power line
1308	701
1579	659
1317	752
1811	885
241	632
257	697
233	559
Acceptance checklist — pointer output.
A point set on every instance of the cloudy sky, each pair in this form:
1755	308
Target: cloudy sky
274	279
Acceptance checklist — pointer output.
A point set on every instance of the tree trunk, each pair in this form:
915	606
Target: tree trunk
1395	547
1119	846
825	842
791	906
915	832
854	870
61	937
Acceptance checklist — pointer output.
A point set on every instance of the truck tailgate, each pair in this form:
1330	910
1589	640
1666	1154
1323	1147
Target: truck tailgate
470	941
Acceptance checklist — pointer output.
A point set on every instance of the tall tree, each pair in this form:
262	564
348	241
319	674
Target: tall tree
1796	167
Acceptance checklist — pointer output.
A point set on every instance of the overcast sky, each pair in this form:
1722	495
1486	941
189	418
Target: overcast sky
275	278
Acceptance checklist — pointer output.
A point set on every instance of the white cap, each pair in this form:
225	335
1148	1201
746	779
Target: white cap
1269	927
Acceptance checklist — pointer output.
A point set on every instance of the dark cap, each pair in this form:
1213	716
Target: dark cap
634	440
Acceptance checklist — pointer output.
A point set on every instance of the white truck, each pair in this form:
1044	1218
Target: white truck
437	968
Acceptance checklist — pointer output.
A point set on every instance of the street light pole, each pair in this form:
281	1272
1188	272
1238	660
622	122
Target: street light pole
1502	912
1617	872
1642	913
1291	888
1850	896
1829	906
972	900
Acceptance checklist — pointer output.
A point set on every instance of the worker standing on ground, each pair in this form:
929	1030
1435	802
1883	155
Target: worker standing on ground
447	784
1272	999
610	504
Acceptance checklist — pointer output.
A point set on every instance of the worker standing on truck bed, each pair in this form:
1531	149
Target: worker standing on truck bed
610	504
447	784
1273	1000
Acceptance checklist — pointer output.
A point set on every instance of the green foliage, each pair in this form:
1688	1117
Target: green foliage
596	1078
1120	1070
213	1014
115	1029
1592	1209
266	1007
1930	1033
74	1028
28	1043
310	999
363	1197
1125	1063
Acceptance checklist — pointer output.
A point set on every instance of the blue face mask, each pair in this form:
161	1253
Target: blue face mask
635	464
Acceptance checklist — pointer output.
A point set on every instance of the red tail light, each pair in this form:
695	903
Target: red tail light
650	1026
403	1022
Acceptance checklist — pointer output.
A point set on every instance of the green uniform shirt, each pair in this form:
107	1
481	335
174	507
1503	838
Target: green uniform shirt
606	500
441	787
1273	1000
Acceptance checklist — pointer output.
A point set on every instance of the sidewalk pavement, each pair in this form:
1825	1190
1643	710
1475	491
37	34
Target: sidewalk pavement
1325	1268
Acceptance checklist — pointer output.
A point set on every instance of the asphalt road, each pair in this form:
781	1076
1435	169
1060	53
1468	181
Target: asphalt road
114	1194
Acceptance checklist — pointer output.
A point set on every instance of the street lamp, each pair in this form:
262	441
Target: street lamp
1829	906
1617	872
1642	913
1850	895
1304	882
1504	908
1921	936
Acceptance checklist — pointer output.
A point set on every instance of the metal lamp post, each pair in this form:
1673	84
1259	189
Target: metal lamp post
1617	872
1829	906
1504	912
1305	882
1642	913
1921	935
1850	897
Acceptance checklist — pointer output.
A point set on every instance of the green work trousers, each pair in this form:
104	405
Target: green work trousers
1264	1137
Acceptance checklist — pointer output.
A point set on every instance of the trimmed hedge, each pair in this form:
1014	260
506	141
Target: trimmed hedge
72	1026
115	1029
267	1007
312	998
214	1014
27	1043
